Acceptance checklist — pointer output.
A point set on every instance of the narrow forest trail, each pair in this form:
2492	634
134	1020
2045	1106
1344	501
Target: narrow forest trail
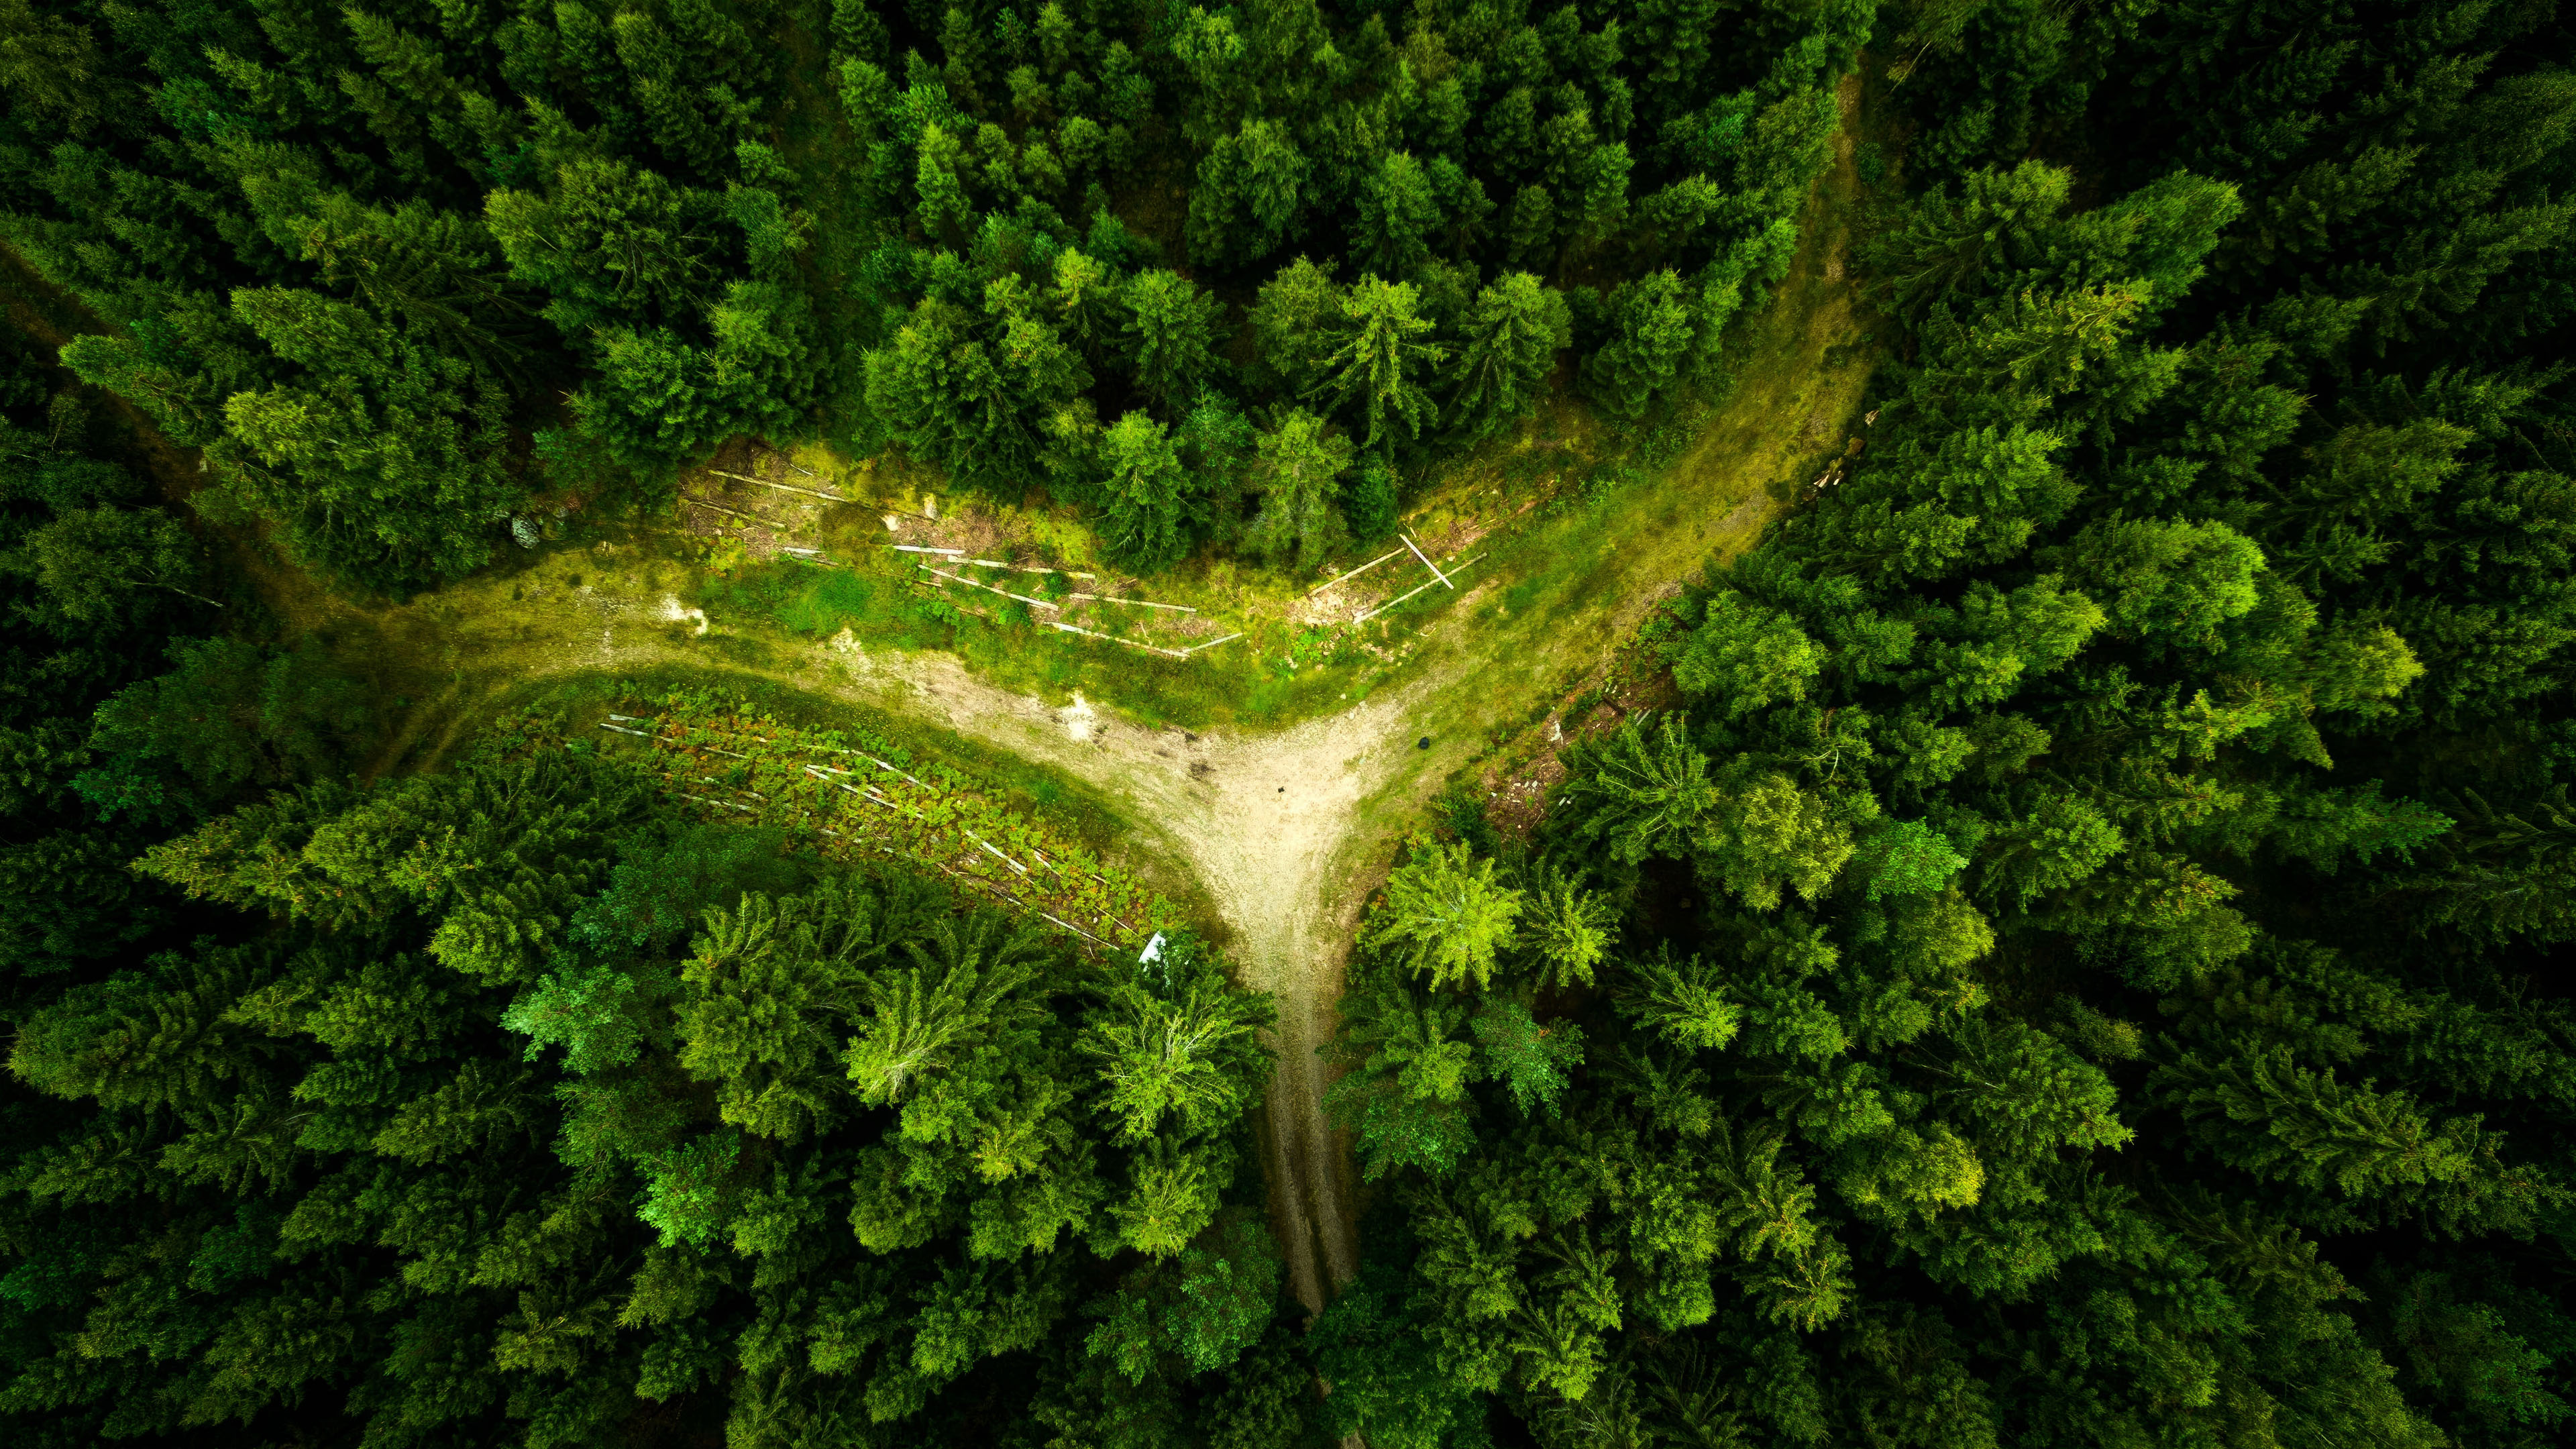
1287	831
1268	825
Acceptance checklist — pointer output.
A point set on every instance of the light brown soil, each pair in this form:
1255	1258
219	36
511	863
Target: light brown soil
1270	826
1287	832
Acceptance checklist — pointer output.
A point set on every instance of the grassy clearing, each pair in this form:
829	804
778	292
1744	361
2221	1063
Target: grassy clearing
1580	520
855	794
1572	520
1574	583
1061	807
1070	806
1564	576
1572	509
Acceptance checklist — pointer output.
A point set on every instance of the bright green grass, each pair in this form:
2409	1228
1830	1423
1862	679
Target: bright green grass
1627	511
1067	803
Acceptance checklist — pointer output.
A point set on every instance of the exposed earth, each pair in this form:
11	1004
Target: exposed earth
1275	828
1286	831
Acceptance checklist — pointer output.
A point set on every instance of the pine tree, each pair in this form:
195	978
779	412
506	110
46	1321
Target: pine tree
1379	365
1298	466
1506	353
1658	334
88	560
1293	326
1640	793
1452	915
1398	214
1146	503
1171	336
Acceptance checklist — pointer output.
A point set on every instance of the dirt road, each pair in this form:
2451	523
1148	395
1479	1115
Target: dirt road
1270	825
1273	828
1286	831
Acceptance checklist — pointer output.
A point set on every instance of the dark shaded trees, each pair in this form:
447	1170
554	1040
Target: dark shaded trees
610	1109
2106	824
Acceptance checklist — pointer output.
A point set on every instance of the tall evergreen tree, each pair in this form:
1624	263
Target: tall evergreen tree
1382	366
1299	466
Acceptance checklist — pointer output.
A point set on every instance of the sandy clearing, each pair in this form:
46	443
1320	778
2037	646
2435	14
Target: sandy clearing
1270	825
1287	832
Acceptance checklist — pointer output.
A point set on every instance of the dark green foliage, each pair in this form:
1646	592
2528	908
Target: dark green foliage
1145	493
1388	1384
2081	965
1371	506
228	715
366	259
539	1106
106	592
1508	348
1299	467
357	256
1171	335
2088	961
1653	335
94	563
1204	1307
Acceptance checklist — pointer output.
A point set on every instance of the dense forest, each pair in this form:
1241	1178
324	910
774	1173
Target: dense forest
2069	958
2077	964
538	1104
404	273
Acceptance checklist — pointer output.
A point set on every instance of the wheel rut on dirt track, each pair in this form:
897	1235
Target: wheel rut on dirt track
1277	827
1261	821
1269	825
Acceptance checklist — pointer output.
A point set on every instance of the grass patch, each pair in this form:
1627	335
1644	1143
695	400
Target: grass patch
825	602
1583	521
1636	513
1277	670
855	793
1067	804
1063	804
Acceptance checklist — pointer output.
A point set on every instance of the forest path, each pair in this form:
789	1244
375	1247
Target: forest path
1287	831
1271	825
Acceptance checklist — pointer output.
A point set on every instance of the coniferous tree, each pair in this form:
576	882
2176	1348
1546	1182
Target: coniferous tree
1171	335
2023	917
532	1070
1299	466
1146	492
1506	353
1381	368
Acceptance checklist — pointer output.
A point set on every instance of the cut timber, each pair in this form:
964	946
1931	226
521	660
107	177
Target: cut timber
880	764
781	487
988	588
1426	562
1130	643
993	563
1139	603
1355	573
1077	930
997	855
1391	603
1409	593
732	512
924	548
